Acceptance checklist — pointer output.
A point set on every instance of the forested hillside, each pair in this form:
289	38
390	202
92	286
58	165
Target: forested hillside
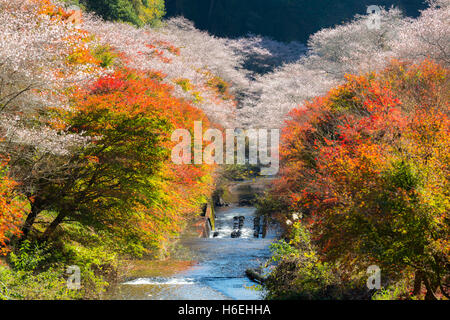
282	20
137	12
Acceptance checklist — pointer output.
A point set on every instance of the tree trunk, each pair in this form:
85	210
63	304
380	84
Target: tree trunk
417	283
26	228
52	227
430	295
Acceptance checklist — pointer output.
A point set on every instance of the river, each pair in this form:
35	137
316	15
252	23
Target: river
220	262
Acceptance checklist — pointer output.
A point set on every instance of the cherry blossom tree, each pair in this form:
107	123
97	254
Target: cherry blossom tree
35	74
350	48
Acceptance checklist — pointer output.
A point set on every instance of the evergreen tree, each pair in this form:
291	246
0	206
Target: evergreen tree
137	12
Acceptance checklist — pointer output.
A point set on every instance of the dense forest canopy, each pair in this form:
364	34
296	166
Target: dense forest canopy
137	12
283	20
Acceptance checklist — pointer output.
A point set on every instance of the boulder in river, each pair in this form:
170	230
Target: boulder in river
236	233
221	203
255	275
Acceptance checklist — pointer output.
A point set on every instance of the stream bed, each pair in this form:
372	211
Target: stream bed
220	263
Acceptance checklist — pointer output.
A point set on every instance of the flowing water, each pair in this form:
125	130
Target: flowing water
221	261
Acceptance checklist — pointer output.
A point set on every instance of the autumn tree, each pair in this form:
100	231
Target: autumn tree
367	164
13	207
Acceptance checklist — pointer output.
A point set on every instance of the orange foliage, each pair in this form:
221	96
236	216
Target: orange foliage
180	188
370	161
12	210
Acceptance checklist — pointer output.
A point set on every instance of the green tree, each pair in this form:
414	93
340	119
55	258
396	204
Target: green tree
137	12
104	182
